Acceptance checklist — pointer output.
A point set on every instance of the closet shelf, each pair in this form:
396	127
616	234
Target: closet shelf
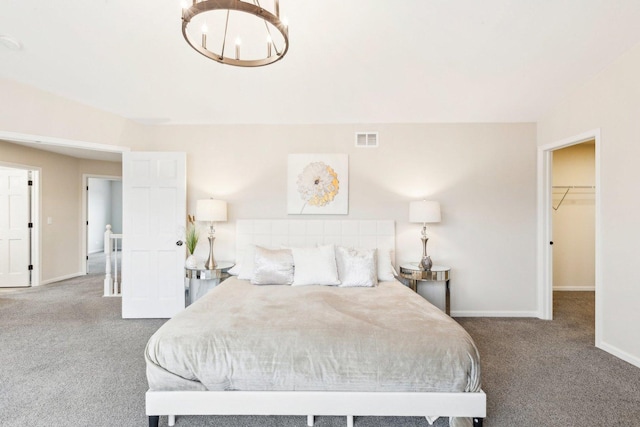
569	188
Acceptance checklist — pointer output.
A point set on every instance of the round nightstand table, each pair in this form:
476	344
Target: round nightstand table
438	273
200	280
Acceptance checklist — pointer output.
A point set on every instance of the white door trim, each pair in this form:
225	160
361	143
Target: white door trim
545	261
85	215
36	214
36	140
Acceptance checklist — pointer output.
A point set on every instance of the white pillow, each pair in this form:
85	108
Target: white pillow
357	267
235	270
385	266
272	267
247	263
315	266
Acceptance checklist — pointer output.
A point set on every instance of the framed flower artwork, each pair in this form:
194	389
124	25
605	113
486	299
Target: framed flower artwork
318	184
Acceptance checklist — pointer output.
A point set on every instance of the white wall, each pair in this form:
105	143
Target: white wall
611	102
26	110
483	175
574	221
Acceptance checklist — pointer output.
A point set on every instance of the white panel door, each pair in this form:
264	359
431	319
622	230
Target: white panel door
14	230
153	213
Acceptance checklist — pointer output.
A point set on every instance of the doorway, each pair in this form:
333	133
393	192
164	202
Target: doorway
573	216
548	204
102	206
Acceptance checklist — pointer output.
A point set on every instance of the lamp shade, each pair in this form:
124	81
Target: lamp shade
424	211
211	210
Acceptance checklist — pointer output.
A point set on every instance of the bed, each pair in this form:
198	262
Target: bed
246	349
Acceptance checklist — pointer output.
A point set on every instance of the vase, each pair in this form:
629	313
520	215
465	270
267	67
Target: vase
426	263
191	262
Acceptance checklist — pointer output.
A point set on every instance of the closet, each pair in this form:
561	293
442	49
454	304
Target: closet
574	218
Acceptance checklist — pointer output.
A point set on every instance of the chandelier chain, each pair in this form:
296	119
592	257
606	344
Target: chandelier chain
224	39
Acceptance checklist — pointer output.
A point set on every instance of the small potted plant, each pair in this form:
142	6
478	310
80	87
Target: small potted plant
192	241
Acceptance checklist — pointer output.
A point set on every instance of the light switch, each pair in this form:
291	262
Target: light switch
49	220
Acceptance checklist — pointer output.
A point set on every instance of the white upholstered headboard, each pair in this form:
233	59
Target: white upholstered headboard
274	233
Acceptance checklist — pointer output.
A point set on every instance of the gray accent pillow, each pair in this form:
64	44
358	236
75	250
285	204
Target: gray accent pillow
272	267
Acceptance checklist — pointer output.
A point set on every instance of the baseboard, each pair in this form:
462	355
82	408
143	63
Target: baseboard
620	354
588	288
494	314
95	251
58	279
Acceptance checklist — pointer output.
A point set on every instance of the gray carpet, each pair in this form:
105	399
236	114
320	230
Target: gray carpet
549	373
68	359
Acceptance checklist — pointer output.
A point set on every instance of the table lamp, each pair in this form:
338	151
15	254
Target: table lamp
424	212
211	211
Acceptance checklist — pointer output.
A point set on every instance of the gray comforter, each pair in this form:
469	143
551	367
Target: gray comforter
245	337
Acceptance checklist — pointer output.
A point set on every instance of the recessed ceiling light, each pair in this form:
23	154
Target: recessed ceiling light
10	42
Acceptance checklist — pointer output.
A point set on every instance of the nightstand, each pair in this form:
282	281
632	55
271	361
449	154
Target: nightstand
429	283
200	280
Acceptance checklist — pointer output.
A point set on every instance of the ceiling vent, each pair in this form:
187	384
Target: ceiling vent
366	139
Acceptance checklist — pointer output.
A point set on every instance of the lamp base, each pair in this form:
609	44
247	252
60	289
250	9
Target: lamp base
426	263
211	262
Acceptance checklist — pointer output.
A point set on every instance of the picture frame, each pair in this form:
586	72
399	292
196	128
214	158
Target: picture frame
318	184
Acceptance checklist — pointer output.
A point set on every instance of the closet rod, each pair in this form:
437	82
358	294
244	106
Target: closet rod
568	188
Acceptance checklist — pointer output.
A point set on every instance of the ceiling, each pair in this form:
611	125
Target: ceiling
355	61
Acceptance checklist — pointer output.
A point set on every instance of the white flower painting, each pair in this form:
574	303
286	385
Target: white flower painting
318	184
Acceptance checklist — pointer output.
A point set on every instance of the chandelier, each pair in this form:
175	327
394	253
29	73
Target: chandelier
236	32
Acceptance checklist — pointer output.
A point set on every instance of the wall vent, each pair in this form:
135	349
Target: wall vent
366	139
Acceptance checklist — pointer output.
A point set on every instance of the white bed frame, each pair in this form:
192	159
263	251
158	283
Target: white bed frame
275	233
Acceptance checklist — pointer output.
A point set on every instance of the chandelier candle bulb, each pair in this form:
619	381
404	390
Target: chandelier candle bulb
204	36
238	43
269	46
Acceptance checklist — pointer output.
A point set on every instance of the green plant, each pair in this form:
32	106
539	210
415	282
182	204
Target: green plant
192	236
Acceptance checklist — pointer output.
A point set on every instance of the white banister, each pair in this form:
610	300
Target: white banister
108	280
117	281
111	282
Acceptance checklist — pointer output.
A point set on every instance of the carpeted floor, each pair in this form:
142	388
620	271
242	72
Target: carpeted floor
549	373
68	359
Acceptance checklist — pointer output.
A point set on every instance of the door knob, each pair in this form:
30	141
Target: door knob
551	243
179	242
